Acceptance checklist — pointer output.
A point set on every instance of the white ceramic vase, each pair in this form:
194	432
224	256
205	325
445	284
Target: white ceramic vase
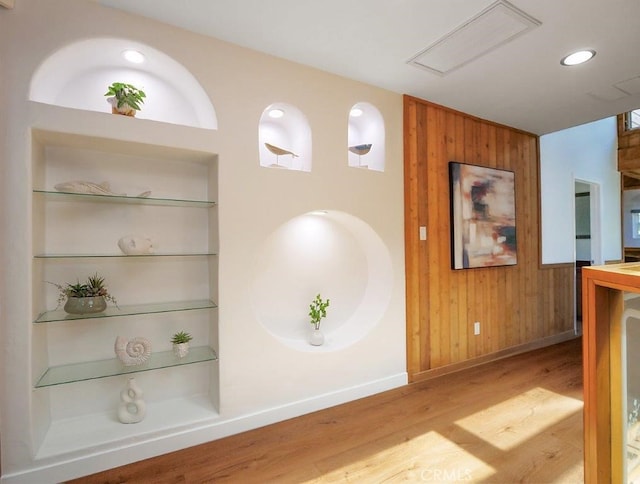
316	338
132	408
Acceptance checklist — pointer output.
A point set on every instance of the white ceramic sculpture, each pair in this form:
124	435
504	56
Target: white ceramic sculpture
90	188
132	408
132	352
136	245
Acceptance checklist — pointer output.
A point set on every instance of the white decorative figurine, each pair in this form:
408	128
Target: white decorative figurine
132	408
136	245
91	188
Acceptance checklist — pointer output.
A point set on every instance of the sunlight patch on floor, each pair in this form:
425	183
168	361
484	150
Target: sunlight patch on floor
512	422
438	459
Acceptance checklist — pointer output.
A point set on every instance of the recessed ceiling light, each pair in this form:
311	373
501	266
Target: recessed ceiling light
355	112
578	57
133	56
276	113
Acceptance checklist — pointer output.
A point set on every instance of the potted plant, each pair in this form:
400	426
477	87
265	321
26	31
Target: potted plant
180	342
87	297
317	311
125	98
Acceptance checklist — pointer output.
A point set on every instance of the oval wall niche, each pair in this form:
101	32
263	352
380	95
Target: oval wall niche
366	137
328	252
78	75
284	138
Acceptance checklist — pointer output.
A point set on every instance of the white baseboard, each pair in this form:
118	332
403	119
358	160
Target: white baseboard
123	453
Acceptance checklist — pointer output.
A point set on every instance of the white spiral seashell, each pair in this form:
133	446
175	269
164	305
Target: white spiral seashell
134	351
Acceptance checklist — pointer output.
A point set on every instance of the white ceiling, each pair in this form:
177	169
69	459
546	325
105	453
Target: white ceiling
521	83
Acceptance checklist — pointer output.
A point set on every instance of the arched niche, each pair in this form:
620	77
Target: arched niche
78	75
332	253
284	138
366	138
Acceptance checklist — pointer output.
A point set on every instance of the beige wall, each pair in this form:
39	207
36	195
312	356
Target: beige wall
261	379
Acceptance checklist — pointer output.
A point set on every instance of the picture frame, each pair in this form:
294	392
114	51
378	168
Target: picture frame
483	216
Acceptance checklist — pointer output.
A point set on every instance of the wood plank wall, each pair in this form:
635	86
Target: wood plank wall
518	307
628	148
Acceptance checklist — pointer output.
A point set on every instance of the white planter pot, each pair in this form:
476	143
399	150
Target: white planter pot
180	349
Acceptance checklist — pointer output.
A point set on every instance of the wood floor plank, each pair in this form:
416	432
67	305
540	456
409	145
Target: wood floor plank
514	420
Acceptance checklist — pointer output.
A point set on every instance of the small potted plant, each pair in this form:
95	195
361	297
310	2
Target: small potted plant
125	98
317	311
87	297
180	342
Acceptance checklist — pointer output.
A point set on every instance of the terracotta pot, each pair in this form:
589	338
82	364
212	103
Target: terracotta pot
125	109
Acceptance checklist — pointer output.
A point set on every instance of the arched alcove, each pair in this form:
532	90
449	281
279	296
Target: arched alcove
366	137
328	252
284	138
78	75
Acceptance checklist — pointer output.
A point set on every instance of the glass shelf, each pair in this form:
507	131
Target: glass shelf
100	256
166	202
91	370
112	311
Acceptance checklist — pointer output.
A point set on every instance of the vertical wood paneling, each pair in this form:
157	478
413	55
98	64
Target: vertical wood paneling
628	148
415	345
516	305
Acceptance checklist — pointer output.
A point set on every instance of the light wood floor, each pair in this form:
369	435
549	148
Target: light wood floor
513	420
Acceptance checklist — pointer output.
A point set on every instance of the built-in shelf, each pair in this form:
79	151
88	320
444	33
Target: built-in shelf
137	309
74	393
82	432
91	370
165	202
101	256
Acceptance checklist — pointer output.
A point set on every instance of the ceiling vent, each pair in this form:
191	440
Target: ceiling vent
630	86
499	23
608	93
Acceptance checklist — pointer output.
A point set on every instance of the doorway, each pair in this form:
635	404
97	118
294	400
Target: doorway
587	237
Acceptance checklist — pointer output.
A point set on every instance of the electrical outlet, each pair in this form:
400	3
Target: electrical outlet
476	328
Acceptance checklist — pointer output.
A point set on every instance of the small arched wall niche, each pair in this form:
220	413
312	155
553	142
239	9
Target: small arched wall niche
331	253
366	140
284	138
78	76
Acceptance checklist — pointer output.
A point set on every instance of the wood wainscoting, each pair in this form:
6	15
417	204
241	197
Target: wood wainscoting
519	306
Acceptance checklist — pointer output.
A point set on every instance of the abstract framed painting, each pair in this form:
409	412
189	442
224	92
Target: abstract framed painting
483	216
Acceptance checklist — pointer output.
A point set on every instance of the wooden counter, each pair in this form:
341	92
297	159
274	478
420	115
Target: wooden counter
605	290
